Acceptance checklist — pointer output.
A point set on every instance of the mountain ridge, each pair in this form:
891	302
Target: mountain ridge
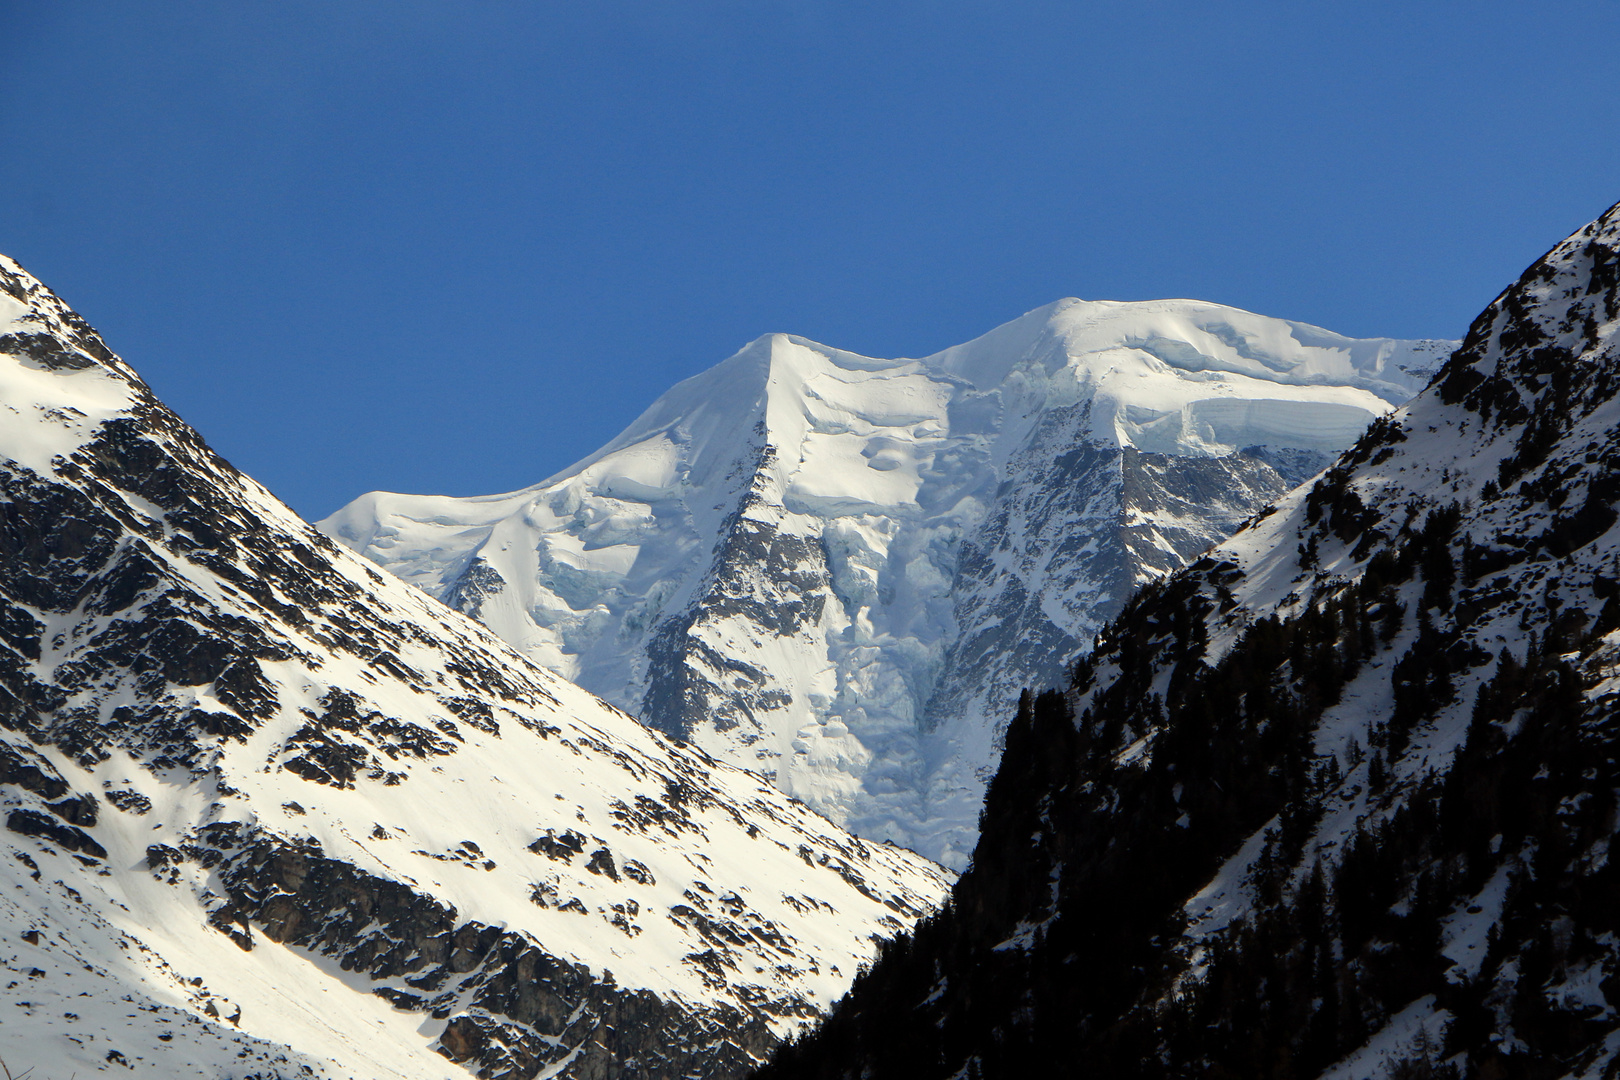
267	809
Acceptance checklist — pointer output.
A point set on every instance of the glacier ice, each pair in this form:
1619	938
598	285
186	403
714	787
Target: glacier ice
841	570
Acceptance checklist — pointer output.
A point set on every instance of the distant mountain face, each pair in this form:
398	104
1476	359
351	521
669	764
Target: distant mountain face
1339	799
269	812
842	570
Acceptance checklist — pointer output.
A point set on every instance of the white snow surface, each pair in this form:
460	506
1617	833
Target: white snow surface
889	470
124	955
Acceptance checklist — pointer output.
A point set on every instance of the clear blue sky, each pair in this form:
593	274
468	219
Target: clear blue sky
452	247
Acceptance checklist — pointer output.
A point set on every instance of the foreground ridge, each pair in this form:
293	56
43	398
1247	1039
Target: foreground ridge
1337	800
270	812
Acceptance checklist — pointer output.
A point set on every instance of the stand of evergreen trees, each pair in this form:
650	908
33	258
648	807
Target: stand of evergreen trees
1064	952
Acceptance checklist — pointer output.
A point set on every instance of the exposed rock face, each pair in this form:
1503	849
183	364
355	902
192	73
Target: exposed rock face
263	797
1339	799
1069	582
773	582
513	1008
842	570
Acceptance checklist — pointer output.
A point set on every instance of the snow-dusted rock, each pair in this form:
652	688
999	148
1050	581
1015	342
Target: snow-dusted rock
271	812
842	570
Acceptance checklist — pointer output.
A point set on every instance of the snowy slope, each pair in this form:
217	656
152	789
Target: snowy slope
271	812
842	570
1339	799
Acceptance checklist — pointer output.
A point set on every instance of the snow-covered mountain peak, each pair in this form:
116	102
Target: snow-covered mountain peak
56	350
842	569
1543	333
1193	378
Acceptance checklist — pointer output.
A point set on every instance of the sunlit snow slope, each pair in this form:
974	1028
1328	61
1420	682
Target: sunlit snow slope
842	570
271	812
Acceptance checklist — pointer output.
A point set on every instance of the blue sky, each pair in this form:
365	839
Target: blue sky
453	247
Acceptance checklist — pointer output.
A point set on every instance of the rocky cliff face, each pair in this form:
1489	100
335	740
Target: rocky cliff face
841	570
270	812
1339	799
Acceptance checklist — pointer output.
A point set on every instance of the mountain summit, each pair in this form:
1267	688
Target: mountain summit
842	570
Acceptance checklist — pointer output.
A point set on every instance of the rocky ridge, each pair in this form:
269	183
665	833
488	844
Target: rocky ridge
271	812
